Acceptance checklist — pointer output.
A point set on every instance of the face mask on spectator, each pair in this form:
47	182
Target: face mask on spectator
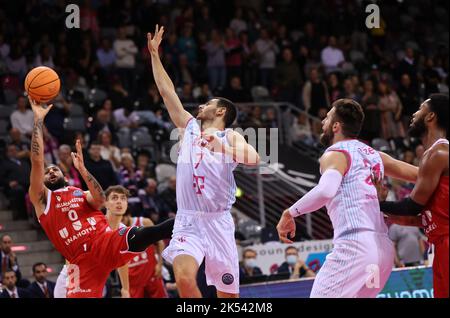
250	262
292	259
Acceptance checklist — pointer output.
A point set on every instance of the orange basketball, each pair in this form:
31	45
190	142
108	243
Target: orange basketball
42	84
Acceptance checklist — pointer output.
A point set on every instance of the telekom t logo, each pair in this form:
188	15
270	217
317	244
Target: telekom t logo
199	183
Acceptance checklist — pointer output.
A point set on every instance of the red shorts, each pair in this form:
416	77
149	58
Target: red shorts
440	269
154	289
89	271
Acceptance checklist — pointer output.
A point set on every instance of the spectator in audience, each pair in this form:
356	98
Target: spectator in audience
8	261
54	121
23	118
108	150
350	90
334	87
409	98
145	165
419	151
187	45
408	65
125	50
168	200
215	50
16	62
248	268
65	163
332	57
294	266
106	55
267	50
150	200
233	53
186	94
431	78
44	58
11	290
41	287
236	92
22	144
100	169
288	78
15	177
315	93
255	119
409	245
301	130
102	122
391	110
50	147
372	121
186	74
238	24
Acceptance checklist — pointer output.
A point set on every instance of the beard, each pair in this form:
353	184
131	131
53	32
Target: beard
326	138
58	184
417	129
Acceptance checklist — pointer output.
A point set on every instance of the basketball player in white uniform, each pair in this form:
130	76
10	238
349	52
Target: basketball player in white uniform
363	254
208	154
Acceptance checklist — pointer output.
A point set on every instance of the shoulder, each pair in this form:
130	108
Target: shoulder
437	156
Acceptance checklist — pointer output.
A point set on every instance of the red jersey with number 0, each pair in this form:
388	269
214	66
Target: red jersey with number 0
70	222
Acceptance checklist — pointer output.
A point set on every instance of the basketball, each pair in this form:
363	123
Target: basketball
42	84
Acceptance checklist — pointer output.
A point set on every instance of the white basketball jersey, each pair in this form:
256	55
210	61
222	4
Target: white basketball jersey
355	207
205	180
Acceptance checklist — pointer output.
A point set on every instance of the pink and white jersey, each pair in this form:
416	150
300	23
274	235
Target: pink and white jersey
205	180
355	208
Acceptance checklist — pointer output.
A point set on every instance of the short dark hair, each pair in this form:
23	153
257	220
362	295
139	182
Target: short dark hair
117	189
351	115
38	264
231	110
290	248
438	104
247	250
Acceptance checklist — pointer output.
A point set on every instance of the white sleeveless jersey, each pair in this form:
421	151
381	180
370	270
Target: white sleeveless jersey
205	180
355	208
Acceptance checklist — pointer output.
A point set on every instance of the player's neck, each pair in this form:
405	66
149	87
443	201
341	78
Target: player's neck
431	137
338	138
113	220
212	125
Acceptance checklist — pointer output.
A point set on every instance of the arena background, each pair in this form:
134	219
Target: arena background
282	61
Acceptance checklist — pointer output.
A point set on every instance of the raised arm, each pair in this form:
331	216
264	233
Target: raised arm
398	169
95	196
177	113
37	190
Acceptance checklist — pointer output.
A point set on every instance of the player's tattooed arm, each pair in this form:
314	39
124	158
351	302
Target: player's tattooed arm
37	190
95	196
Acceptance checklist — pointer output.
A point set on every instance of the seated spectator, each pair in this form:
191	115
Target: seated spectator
22	144
301	130
44	58
236	92
16	62
185	73
106	55
11	290
254	120
369	102
294	266
248	269
15	178
205	94
8	261
41	287
132	179
23	118
65	163
409	245
144	165
169	200
102	170
186	94
315	93
391	111
108	150
151	204
54	121
419	151
103	121
332	57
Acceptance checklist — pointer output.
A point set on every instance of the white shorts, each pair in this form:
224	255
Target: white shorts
208	236
356	268
61	284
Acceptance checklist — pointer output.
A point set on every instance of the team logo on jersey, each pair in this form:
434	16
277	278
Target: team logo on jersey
227	279
122	231
92	221
144	255
136	258
77	193
181	239
58	198
64	233
77	225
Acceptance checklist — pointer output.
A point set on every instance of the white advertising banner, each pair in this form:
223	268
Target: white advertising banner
271	255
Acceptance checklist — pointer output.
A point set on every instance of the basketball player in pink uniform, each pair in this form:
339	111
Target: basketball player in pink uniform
73	222
145	269
205	189
363	254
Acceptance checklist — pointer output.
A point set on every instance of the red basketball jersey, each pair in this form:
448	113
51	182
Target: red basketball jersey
70	222
435	215
141	268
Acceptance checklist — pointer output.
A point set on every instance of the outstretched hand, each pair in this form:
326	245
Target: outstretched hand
286	226
153	42
77	157
382	190
39	110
